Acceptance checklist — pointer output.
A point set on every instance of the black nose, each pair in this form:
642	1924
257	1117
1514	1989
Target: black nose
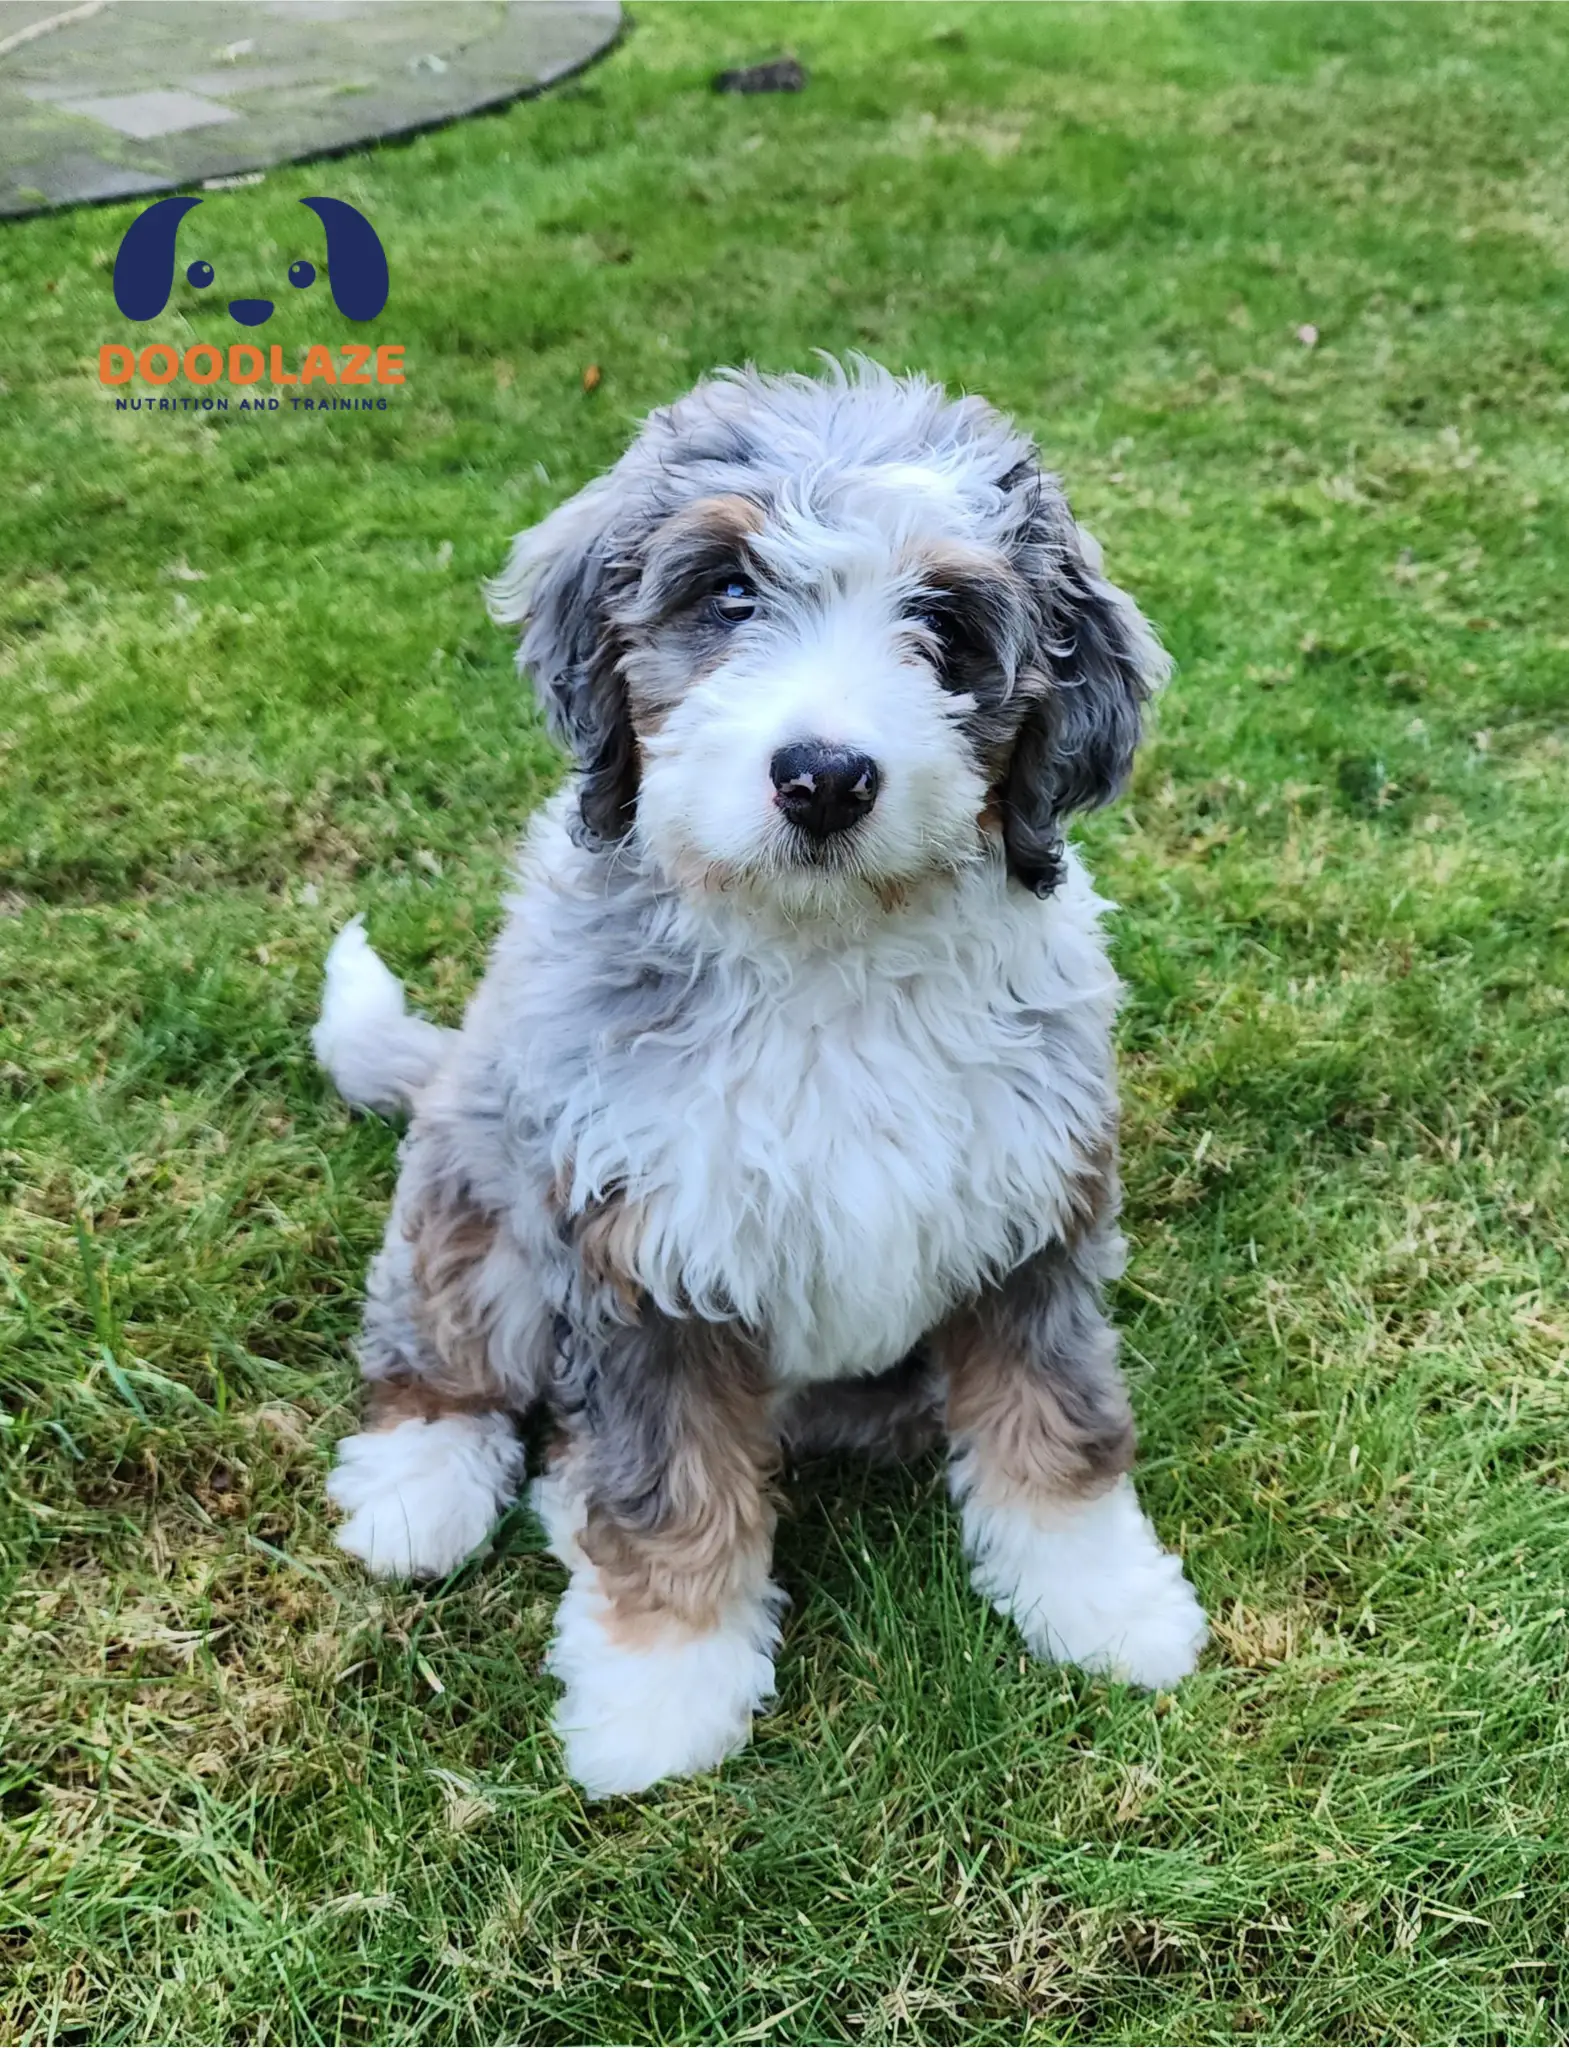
823	789
251	312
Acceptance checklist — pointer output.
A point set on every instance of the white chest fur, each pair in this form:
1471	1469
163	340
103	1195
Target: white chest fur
840	1142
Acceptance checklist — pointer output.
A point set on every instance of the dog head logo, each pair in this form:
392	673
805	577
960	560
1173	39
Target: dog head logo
356	264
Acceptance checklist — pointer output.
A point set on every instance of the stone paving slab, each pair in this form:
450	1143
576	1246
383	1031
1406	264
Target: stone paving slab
109	100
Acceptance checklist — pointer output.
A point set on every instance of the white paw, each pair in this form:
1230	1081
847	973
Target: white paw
634	1714
1148	1631
1090	1587
419	1498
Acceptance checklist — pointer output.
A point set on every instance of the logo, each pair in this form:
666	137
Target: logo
356	264
357	281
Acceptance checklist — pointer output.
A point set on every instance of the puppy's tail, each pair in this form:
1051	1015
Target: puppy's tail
377	1054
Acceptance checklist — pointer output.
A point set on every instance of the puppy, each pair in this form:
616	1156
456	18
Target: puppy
785	1115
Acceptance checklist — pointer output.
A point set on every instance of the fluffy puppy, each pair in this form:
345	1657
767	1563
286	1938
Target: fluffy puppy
785	1115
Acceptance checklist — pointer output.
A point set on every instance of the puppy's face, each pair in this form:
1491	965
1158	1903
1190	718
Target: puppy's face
818	641
822	693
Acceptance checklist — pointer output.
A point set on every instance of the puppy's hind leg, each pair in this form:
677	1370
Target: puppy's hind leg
893	1417
438	1460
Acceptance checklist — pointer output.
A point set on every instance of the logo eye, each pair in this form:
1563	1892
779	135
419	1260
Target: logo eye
199	273
301	274
733	601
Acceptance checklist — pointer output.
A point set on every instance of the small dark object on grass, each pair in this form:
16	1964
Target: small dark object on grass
781	74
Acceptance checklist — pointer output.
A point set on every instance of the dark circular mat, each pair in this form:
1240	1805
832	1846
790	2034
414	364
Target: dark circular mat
106	99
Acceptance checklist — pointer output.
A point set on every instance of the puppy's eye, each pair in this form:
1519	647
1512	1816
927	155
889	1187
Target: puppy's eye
956	653
301	274
732	601
942	627
199	273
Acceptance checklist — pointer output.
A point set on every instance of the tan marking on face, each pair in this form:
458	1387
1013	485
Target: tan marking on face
952	568
948	563
727	521
727	517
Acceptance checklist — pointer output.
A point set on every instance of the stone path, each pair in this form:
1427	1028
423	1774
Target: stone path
109	98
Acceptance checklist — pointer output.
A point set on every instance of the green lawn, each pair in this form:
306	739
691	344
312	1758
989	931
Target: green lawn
247	687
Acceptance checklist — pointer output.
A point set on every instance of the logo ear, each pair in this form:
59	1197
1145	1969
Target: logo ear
356	261
144	264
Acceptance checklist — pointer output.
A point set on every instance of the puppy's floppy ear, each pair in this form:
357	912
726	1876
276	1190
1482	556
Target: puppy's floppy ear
557	586
1096	662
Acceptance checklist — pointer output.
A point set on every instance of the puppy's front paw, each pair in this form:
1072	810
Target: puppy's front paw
1090	1586
1146	1629
421	1496
636	1712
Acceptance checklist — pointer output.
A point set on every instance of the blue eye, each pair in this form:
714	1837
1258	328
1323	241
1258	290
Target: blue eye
199	273
301	274
733	600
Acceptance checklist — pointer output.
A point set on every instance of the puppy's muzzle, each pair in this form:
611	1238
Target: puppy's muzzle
823	789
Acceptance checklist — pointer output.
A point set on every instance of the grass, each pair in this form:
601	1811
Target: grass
246	688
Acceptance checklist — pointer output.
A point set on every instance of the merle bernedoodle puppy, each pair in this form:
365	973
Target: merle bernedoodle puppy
785	1115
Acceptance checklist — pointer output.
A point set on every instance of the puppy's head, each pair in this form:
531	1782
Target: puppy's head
821	639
